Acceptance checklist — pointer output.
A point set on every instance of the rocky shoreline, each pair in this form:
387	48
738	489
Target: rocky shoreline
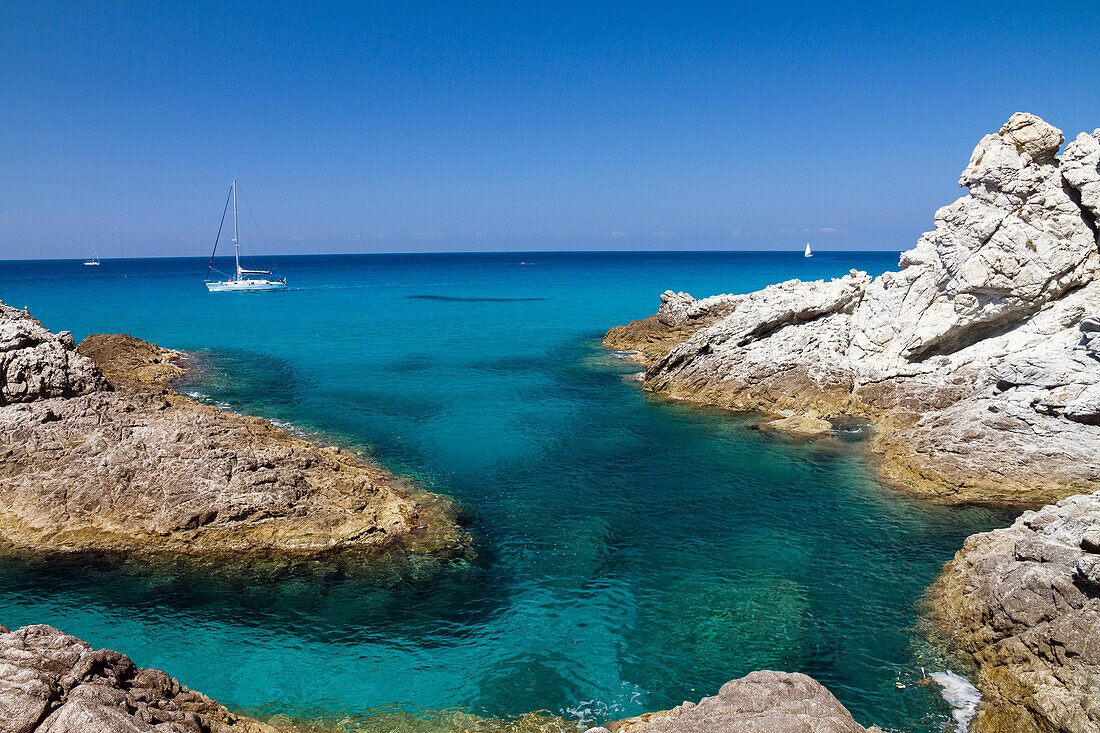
101	454
978	364
1023	604
978	361
51	682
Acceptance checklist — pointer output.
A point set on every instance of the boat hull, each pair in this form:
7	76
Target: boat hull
245	286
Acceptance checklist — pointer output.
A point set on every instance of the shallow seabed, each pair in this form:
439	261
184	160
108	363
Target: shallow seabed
632	553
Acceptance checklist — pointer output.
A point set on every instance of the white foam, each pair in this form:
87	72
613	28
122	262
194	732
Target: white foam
962	696
587	712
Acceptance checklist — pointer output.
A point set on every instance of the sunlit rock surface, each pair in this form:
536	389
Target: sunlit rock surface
1025	603
51	682
979	360
761	702
129	464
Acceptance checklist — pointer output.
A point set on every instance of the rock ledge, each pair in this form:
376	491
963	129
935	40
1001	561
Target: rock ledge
109	457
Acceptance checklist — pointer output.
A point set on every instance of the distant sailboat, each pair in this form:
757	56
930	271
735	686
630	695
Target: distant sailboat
239	282
809	252
94	262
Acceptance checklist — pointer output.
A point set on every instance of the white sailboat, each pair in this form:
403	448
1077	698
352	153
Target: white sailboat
94	262
809	252
239	282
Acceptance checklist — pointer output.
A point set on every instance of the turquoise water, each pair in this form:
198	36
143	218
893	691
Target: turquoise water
632	552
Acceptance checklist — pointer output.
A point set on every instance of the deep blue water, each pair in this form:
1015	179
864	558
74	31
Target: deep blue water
632	552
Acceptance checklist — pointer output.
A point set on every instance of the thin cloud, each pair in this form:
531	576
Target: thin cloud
808	230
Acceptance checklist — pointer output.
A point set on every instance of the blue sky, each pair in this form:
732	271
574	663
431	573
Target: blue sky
409	126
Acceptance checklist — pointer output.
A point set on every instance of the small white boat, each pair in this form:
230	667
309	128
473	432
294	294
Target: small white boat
94	262
239	282
809	252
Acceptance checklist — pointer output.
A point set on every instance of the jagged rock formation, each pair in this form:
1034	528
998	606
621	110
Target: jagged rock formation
51	682
131	465
1024	603
37	363
761	702
978	360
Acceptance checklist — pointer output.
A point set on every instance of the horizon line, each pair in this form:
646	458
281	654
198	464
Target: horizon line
798	251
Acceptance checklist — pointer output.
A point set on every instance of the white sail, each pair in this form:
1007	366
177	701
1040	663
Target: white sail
240	282
809	252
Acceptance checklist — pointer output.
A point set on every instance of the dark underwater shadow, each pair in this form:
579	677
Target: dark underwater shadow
457	299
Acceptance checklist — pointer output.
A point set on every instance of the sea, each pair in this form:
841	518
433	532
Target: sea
630	552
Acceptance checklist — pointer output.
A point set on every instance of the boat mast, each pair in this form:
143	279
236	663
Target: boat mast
236	243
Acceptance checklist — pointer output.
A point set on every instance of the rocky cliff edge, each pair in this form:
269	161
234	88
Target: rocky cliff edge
979	360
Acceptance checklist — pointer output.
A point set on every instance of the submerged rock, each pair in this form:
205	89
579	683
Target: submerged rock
800	425
51	682
979	360
1024	603
761	702
131	465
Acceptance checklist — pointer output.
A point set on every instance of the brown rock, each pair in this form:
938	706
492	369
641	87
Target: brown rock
1023	603
51	682
129	361
800	425
761	702
143	469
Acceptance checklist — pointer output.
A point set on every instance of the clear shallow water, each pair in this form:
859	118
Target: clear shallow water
632	552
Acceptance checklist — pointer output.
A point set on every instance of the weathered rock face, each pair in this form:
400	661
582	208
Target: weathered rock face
51	682
140	468
37	363
1024	602
130	361
1017	241
977	359
761	702
679	317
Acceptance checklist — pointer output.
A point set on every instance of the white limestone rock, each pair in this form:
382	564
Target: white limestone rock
36	363
1017	241
1081	169
978	358
680	309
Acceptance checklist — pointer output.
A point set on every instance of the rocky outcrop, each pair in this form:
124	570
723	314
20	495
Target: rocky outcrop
978	360
36	363
51	682
679	317
1024	604
131	465
761	702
